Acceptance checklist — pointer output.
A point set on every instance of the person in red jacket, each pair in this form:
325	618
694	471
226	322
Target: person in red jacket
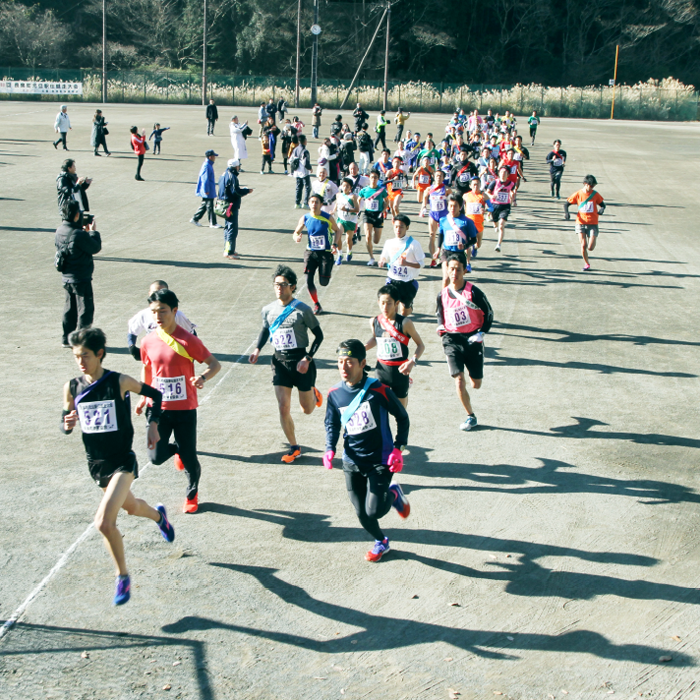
138	143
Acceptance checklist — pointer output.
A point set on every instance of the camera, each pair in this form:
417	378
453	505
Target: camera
87	219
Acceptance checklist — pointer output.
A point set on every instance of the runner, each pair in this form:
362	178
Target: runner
430	152
521	154
375	200
325	188
514	170
320	249
590	206
462	172
474	204
436	200
422	178
464	315
383	165
99	401
533	122
404	257
457	234
391	333
501	192
168	355
348	210
557	162
143	322
396	181
359	408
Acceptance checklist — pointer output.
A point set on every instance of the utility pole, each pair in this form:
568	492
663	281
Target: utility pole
386	53
104	51
296	85
314	57
612	108
204	56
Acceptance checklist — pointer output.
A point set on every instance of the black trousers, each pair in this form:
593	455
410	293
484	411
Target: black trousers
381	136
79	307
138	167
369	494
399	132
61	137
211	123
102	142
183	426
555	177
301	183
207	206
231	233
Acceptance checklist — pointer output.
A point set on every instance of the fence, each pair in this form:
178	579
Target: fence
659	100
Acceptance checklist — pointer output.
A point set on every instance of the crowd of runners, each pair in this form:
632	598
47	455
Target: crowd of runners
461	180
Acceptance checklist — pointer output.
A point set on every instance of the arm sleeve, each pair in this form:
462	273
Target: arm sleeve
440	313
263	337
156	397
318	339
395	407
64	413
332	424
566	207
483	303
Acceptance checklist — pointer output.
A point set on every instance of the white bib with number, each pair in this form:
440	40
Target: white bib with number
460	316
388	349
557	162
317	242
453	238
173	388
587	208
424	179
372	205
284	339
475	208
437	202
362	420
98	416
502	197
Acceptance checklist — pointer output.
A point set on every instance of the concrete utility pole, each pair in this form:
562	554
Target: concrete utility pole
314	58
204	56
296	84
104	51
386	54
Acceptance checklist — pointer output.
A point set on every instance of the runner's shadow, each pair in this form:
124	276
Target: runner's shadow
380	633
176	263
33	229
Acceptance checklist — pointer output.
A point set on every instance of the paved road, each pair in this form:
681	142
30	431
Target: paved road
554	549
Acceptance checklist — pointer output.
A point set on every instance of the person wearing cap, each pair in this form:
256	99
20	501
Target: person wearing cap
347	151
240	150
231	191
358	408
206	189
62	126
326	188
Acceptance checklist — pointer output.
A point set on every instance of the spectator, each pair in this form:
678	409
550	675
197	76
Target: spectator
287	136
400	119
70	187
99	132
80	244
297	124
361	117
262	116
364	145
316	113
61	127
206	189
138	143
212	117
231	191
382	124
282	108
271	109
347	150
300	163
240	150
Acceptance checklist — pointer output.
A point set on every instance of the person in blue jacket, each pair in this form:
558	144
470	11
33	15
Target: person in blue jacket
206	189
231	191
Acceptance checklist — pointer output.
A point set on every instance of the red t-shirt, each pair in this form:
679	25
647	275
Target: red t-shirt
171	372
138	144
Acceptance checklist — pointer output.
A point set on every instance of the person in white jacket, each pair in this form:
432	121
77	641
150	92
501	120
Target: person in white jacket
240	150
61	127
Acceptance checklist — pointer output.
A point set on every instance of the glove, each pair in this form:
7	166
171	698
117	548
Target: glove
567	216
478	337
328	459
395	461
135	352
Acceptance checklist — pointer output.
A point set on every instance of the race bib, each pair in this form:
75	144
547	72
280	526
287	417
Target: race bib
460	316
587	208
432	160
464	179
173	388
362	420
518	156
503	197
284	339
453	238
437	203
474	208
398	271
97	416
317	242
557	162
372	205
424	179
388	349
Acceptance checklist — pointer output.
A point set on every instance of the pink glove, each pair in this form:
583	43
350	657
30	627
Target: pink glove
395	461
328	459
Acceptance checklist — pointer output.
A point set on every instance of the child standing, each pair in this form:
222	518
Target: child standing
157	136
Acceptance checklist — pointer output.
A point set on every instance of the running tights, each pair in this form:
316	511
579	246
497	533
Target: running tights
371	497
556	181
311	286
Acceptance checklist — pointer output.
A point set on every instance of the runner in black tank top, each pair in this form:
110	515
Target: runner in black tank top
99	401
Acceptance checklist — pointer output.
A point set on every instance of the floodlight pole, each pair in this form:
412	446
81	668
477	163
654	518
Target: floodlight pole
314	59
104	51
612	108
204	56
296	82
386	54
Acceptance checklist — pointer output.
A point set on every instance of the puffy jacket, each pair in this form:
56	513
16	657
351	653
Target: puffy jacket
66	187
82	246
206	183
230	190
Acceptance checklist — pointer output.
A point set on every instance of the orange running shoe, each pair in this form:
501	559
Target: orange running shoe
178	463
191	505
294	453
319	397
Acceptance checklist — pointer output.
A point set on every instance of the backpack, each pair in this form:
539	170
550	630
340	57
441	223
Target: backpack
63	252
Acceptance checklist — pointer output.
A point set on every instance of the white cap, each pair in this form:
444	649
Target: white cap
234	162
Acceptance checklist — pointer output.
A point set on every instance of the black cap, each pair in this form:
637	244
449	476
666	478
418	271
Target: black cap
352	348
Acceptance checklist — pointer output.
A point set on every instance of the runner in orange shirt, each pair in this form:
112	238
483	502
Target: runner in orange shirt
474	206
590	206
395	180
421	181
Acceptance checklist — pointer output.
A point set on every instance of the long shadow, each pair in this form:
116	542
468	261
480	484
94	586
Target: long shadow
11	199
26	639
175	263
570	337
118	351
268	230
379	633
273	458
33	229
644	206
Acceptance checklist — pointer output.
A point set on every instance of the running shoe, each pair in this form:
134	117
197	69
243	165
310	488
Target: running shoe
123	592
297	206
179	464
475	251
339	259
286	172
468	268
348	258
497	248
469	423
372	263
434	263
166	529
558	196
215	226
381	547
196	223
403	507
586	268
262	172
191	505
317	309
319	398
294	453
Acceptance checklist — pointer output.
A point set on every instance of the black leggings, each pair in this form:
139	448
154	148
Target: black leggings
555	177
371	497
184	426
138	168
156	147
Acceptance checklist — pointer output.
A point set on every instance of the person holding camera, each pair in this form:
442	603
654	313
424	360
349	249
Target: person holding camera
77	240
71	187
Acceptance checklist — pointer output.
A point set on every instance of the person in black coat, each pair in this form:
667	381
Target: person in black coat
212	117
361	117
231	191
82	243
70	187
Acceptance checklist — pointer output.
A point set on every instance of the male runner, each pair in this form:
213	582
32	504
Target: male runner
143	322
375	200
590	206
168	355
501	192
422	178
457	234
327	189
464	315
358	408
320	249
391	333
557	162
435	199
286	323
533	122
404	257
383	165
348	206
474	204
462	172
99	401
395	180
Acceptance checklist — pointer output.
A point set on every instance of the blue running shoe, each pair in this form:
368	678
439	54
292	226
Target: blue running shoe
348	257
381	547
468	268
123	592
403	507
475	251
470	423
166	529
339	259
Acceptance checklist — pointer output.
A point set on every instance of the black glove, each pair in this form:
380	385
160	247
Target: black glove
135	352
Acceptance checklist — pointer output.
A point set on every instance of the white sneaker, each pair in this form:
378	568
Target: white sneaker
497	248
469	423
196	223
214	225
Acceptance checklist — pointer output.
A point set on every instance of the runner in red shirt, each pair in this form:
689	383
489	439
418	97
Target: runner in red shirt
168	355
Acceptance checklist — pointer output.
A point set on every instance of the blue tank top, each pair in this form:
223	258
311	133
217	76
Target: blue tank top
318	228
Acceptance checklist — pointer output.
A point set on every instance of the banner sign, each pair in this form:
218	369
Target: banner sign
32	87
